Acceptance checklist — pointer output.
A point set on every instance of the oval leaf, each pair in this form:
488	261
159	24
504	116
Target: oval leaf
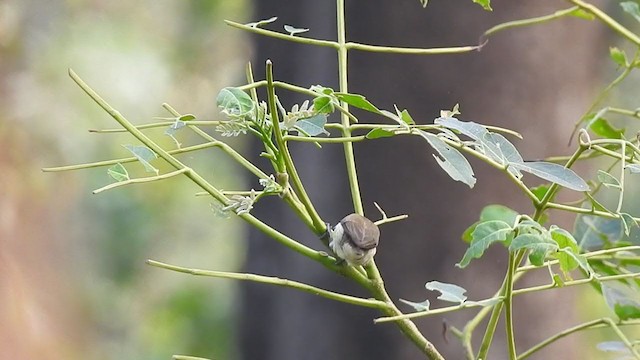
485	234
313	126
234	102
553	172
358	101
450	160
379	133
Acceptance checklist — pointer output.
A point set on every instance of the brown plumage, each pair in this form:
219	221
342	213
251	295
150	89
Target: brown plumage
362	232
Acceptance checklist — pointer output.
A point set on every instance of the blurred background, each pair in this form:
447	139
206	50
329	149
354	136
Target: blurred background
73	283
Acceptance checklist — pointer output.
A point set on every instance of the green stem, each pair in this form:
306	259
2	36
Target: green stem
531	21
141	180
508	305
320	257
285	156
330	140
616	26
371	303
411	51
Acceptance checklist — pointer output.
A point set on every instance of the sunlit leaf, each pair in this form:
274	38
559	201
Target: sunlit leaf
618	56
186	117
314	125
294	30
564	239
488	213
404	116
379	133
448	292
358	101
486	4
485	234
144	155
323	104
632	8
262	22
450	113
540	191
418	306
234	102
603	128
553	172
450	160
582	14
118	172
622	299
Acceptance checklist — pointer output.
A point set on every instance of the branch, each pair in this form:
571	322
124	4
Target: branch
271	280
142	180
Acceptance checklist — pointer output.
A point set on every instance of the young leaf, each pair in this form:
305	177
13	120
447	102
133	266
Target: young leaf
618	56
404	116
451	113
486	4
186	117
118	172
450	160
424	3
323	104
358	101
379	133
576	258
565	240
418	306
631	8
582	14
262	22
622	299
144	155
608	180
540	191
294	30
603	128
553	172
538	245
490	144
485	234
314	125
498	212
234	102
448	292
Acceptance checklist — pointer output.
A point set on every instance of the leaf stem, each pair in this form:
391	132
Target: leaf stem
370	303
508	305
531	21
616	26
142	180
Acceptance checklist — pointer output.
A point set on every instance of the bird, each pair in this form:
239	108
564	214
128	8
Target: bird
354	239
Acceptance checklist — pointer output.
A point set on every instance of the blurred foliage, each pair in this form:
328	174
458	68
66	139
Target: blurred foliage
100	300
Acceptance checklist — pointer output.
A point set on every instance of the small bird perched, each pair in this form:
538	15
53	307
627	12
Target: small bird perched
354	239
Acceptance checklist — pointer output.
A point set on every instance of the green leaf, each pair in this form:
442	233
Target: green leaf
262	22
594	231
579	259
466	235
608	180
595	204
486	4
313	126
622	299
294	30
404	116
450	160
553	172
323	104
379	133
418	306
484	234
603	128
540	191
186	117
618	56
582	14
144	155
498	212
358	101
538	245
234	102
632	8
565	240
118	172
448	292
